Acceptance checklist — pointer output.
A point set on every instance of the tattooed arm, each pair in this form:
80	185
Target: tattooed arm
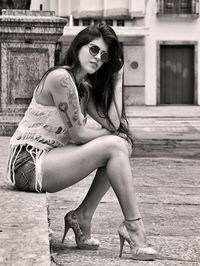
65	97
115	110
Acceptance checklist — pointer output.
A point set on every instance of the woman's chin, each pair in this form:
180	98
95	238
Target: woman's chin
91	71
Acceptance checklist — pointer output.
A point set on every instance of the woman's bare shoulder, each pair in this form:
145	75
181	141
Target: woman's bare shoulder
59	78
58	73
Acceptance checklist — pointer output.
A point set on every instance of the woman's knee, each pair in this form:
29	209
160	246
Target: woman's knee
117	145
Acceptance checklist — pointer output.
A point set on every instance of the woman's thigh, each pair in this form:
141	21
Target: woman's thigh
65	166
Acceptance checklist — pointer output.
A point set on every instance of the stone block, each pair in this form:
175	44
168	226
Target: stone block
134	95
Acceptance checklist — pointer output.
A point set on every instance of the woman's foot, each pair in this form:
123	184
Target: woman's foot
135	229
83	241
84	222
133	232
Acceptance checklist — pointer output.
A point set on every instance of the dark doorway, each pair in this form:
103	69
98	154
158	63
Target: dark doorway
177	74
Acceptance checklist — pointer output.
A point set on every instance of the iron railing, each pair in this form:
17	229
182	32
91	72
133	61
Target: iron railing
165	7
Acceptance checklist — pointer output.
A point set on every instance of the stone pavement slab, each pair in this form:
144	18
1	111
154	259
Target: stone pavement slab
168	195
24	234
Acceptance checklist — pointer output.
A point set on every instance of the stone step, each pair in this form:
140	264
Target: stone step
181	111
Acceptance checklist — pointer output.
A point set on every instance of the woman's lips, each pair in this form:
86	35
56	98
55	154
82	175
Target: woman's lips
94	64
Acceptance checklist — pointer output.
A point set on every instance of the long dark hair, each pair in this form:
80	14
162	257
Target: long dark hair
101	81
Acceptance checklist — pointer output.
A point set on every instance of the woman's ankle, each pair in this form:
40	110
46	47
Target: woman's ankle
83	215
84	222
136	232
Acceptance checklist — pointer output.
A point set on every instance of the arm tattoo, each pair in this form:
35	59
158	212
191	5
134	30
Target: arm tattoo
73	102
64	81
63	107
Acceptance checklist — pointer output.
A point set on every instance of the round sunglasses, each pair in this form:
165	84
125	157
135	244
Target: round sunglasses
94	50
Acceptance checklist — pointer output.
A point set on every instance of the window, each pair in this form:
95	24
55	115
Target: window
178	7
86	22
76	22
109	22
96	21
120	22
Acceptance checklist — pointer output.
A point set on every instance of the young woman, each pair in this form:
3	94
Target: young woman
52	148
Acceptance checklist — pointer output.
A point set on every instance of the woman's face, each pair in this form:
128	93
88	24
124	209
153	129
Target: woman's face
91	63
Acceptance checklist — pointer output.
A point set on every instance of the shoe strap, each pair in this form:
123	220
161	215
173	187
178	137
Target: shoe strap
133	220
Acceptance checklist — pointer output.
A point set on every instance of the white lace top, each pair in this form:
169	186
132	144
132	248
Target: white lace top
41	130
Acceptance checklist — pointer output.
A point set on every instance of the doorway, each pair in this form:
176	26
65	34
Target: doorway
177	74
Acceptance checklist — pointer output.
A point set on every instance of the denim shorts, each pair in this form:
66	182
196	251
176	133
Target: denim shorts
24	170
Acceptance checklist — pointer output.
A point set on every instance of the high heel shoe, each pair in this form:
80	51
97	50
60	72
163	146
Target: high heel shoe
137	252
81	241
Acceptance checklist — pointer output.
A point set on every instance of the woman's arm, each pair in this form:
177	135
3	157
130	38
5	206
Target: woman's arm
65	97
115	110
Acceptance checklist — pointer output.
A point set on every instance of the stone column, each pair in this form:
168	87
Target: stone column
54	5
64	8
27	43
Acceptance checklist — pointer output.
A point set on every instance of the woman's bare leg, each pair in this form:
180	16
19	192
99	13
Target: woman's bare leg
86	209
63	167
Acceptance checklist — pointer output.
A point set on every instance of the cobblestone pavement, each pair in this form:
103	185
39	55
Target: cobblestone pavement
168	196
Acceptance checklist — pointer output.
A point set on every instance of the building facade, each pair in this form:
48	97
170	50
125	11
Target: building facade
160	40
172	52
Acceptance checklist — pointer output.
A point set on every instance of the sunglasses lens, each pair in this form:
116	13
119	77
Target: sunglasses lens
94	50
105	57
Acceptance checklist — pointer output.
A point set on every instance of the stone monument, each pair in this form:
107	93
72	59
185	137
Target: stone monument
27	42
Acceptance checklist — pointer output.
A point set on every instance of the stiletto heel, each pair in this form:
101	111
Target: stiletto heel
122	239
67	227
137	252
81	241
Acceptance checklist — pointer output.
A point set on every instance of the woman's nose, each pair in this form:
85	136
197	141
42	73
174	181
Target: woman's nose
98	56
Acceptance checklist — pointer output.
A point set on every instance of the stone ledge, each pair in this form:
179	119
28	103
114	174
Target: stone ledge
24	233
17	15
24	228
137	31
23	12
